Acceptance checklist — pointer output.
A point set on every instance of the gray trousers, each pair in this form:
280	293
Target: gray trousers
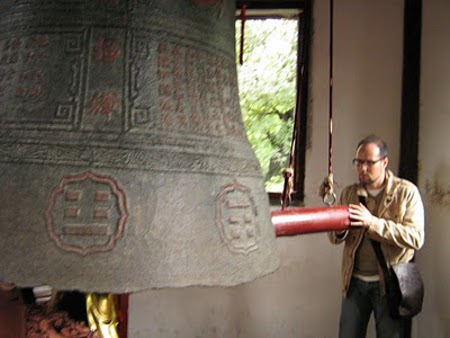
363	298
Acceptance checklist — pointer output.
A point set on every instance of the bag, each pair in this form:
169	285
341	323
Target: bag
404	290
403	283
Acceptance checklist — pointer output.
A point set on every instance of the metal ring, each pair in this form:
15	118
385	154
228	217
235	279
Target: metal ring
329	198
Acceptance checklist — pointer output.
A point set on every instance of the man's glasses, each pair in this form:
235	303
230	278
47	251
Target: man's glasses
359	163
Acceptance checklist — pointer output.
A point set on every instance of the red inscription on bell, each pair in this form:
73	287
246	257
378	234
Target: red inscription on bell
106	50
104	104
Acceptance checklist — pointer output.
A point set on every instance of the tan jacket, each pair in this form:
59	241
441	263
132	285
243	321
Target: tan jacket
398	225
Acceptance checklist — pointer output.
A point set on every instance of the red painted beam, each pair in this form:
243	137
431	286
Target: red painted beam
296	221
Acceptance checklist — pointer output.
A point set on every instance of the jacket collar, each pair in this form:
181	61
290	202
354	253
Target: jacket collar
388	194
391	187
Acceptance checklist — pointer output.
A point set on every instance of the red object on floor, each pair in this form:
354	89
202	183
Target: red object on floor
12	314
122	314
296	221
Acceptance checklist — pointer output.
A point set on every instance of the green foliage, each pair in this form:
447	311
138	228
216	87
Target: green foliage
267	82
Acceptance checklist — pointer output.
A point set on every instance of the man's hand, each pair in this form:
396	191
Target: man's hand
359	216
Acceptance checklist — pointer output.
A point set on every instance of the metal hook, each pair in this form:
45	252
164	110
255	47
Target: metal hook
329	198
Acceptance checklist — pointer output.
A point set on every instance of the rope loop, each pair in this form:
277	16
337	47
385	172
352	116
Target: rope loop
327	190
288	187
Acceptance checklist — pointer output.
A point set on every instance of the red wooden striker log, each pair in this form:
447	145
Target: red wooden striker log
296	221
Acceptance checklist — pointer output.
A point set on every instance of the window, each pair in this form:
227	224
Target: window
272	86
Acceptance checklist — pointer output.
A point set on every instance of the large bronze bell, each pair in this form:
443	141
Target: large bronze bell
124	163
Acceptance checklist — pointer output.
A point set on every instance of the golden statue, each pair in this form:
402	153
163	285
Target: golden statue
101	314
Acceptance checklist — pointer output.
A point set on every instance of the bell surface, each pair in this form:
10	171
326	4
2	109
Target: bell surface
124	163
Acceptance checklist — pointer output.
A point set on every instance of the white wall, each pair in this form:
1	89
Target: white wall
367	83
302	299
434	178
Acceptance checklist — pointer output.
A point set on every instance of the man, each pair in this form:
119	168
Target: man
392	214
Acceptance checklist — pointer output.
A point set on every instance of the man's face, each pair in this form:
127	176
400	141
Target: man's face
370	166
